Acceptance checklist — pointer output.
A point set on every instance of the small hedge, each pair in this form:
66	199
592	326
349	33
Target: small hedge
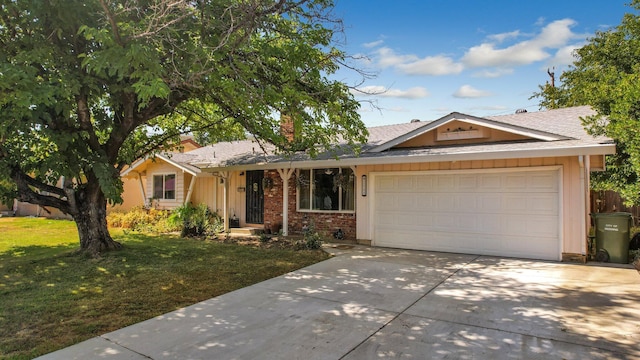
145	220
196	220
188	219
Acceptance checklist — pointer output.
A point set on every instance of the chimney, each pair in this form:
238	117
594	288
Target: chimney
287	129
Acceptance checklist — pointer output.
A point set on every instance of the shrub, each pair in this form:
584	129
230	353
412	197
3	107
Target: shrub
141	219
196	220
312	240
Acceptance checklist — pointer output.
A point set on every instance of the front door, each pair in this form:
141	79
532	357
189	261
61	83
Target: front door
255	197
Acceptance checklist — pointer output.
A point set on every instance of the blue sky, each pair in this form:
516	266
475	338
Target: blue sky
434	57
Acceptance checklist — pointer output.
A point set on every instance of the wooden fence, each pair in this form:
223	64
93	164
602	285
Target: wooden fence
610	201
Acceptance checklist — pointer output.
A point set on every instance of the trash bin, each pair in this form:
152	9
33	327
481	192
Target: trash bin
612	236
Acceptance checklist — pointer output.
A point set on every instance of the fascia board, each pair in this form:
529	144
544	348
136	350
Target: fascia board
176	164
515	129
600	149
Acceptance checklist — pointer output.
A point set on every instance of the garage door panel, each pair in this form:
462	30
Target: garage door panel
405	184
467	182
490	182
543	182
385	183
445	183
494	213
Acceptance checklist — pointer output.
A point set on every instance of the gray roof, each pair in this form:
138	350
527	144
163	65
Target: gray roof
566	123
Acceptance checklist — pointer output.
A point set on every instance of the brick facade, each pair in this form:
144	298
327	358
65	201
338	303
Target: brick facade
325	223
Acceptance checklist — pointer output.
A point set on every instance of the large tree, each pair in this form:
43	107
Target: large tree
88	86
606	76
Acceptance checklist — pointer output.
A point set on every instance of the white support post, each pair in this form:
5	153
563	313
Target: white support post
285	175
191	185
142	192
225	199
583	203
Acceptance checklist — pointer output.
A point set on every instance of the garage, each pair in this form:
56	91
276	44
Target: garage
502	212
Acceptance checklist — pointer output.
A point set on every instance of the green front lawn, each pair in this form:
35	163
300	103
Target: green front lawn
51	296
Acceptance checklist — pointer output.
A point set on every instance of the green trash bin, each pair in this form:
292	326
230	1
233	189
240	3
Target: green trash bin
613	236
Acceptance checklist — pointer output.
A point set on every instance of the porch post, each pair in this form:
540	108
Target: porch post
224	175
285	174
191	185
142	193
584	175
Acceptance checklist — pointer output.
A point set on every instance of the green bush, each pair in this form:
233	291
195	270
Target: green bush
312	240
196	220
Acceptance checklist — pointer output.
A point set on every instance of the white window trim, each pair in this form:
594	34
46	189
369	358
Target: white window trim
175	190
312	188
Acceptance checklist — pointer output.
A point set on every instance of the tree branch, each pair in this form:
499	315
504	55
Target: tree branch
27	194
112	22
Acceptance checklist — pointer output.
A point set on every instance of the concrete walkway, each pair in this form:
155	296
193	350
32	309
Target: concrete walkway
368	303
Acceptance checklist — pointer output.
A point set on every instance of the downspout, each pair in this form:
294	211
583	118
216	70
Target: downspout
583	205
190	191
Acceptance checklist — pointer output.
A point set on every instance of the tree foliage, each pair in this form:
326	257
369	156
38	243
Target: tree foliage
89	86
606	76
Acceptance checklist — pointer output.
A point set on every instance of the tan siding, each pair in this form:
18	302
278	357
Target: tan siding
204	192
131	195
511	163
237	199
161	167
490	135
597	162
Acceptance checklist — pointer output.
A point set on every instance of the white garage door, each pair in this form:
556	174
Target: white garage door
506	213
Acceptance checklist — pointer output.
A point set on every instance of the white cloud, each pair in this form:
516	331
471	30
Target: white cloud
564	55
413	65
397	109
388	58
373	44
554	35
431	65
377	90
502	37
493	73
468	91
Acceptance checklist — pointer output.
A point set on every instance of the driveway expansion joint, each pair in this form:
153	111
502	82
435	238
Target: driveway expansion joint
124	347
410	305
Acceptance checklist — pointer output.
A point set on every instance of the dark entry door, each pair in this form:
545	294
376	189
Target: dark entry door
255	197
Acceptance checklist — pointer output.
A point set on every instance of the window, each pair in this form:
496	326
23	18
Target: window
331	189
164	186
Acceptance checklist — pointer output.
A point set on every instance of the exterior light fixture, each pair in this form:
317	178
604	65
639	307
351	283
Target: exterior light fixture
364	185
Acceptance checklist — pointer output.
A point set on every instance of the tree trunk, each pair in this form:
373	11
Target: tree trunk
91	220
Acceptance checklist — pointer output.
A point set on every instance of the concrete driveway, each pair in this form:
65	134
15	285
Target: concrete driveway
368	303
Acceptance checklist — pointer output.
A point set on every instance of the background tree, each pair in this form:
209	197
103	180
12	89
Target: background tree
606	76
88	86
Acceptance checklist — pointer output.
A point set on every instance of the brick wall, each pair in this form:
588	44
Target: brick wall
325	223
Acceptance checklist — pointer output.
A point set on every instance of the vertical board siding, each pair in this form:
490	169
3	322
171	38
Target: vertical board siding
161	167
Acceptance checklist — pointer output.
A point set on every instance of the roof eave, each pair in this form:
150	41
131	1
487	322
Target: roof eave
599	149
493	124
139	162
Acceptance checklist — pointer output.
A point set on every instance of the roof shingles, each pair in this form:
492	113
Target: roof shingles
563	122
